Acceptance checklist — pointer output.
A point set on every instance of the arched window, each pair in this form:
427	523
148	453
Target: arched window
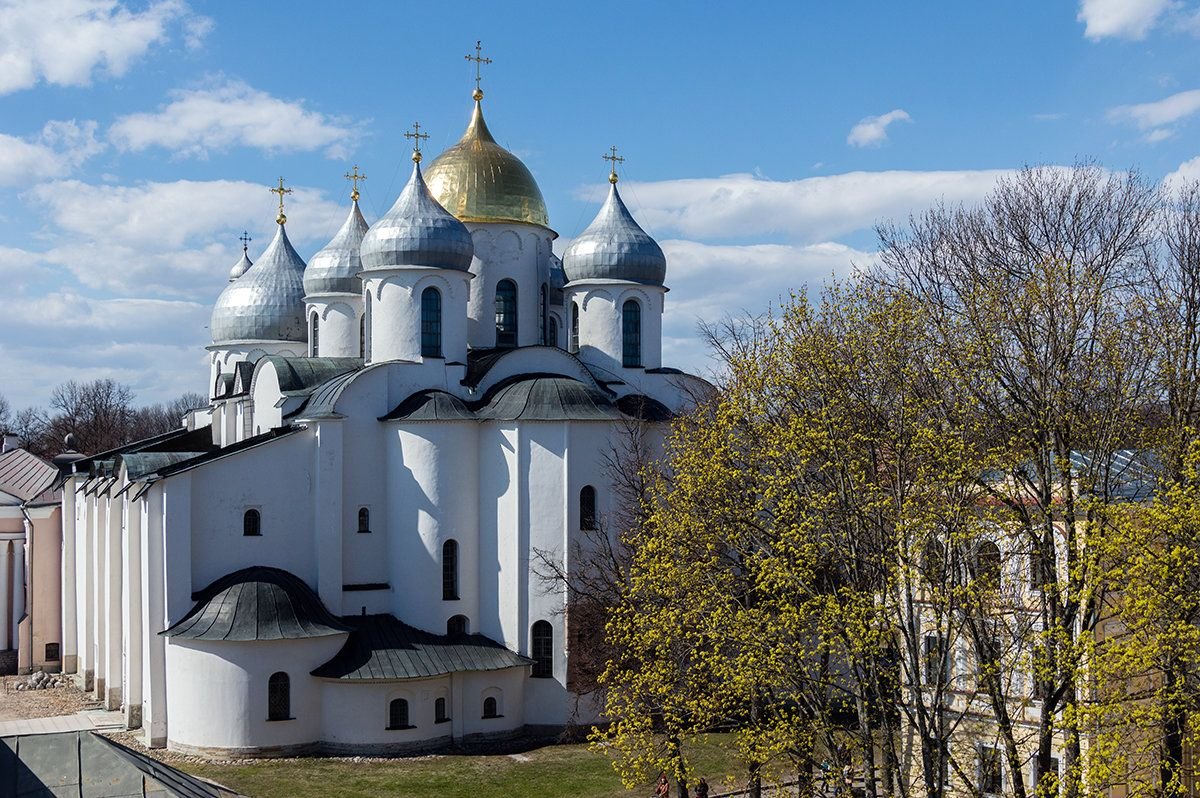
314	335
457	626
450	570
279	697
631	334
251	524
541	648
587	507
364	519
439	711
506	313
362	336
987	564
398	714
490	708
552	332
431	323
573	344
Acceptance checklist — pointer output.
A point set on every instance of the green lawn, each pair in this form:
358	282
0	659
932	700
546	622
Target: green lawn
554	771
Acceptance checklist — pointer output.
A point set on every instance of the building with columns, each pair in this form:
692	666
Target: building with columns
30	553
338	552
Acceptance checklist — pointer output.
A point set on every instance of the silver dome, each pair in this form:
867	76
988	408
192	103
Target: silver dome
614	247
335	268
417	231
240	267
267	304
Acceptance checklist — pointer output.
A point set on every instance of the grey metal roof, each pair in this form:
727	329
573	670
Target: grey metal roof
267	302
257	603
644	408
335	268
304	373
241	267
25	475
382	647
430	405
547	397
615	247
419	232
141	464
321	402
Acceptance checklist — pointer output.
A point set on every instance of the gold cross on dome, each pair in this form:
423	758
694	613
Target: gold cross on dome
281	218
479	62
245	239
416	135
616	159
354	177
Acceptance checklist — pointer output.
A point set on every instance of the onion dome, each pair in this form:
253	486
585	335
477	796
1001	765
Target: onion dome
267	303
477	180
615	247
417	231
241	266
334	270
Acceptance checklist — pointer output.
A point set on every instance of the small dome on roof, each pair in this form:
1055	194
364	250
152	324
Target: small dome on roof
615	247
417	231
240	268
267	302
334	270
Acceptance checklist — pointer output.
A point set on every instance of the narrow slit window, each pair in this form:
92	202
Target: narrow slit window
450	570
573	344
279	697
506	314
490	708
314	336
439	711
251	524
541	638
587	508
431	323
364	520
631	334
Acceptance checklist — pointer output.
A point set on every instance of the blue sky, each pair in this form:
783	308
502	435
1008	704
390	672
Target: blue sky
137	139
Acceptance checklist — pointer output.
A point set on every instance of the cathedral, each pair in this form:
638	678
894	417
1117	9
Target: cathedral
338	553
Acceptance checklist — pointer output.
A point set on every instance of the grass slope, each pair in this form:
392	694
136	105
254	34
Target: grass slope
554	771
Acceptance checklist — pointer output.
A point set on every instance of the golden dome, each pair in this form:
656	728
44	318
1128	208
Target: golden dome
477	180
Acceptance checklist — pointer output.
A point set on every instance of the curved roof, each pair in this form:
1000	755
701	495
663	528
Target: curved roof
477	180
267	302
305	373
382	647
257	603
335	268
547	397
430	405
417	231
241	267
615	247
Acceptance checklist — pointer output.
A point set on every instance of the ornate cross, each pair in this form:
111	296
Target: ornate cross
281	218
355	177
245	239
615	159
416	135
479	62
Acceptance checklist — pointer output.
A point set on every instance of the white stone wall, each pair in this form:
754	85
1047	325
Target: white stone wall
601	339
395	320
338	318
217	692
518	252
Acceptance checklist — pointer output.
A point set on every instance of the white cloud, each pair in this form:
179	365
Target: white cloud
810	209
1187	172
229	115
1122	19
55	152
173	239
67	42
1158	116
872	130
